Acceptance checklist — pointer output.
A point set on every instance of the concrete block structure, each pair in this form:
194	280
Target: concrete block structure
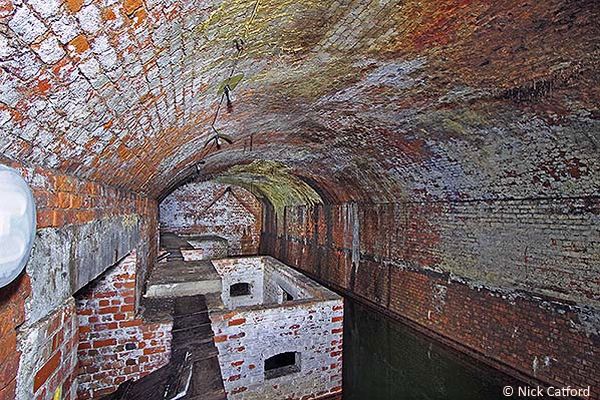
278	333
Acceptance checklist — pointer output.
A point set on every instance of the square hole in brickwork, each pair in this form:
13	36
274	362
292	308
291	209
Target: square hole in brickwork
239	289
282	364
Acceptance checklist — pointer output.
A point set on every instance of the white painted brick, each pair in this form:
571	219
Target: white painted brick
5	116
66	28
311	325
25	66
89	18
90	68
8	93
26	25
6	50
45	8
50	50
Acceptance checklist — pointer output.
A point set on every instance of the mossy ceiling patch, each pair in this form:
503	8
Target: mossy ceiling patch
273	181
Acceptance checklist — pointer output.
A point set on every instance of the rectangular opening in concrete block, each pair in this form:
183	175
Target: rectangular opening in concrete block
269	283
239	289
282	364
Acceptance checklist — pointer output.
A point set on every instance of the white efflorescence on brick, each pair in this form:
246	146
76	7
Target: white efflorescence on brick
66	28
50	50
209	208
311	325
26	25
45	8
89	19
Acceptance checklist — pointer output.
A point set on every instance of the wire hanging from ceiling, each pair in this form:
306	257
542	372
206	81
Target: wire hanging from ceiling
231	82
225	90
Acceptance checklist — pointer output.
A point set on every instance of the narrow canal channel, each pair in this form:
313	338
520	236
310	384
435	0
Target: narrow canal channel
386	360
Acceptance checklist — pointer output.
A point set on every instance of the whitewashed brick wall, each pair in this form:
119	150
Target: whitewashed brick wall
246	337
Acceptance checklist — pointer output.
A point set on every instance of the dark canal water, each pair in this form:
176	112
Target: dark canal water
385	360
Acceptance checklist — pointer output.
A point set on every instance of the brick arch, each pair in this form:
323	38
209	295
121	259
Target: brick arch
126	93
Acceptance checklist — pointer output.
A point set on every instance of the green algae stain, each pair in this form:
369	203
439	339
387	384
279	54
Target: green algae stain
263	25
272	181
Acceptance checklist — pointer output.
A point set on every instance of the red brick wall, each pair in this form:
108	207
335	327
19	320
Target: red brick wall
61	200
57	366
115	345
12	314
401	247
212	208
66	200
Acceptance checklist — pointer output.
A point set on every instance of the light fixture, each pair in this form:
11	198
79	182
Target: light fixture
17	224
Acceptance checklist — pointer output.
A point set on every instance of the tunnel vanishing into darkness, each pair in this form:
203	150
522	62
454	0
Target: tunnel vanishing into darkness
434	161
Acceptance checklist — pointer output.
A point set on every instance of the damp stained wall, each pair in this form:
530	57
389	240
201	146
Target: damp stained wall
452	144
84	227
511	283
209	208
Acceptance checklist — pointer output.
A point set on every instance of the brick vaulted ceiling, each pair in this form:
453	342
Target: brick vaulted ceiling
376	100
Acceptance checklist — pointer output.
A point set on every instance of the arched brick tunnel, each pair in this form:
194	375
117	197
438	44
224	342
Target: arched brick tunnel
436	160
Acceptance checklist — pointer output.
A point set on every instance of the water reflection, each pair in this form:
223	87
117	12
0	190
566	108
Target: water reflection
385	360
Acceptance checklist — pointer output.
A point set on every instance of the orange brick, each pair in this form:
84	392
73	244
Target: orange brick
154	350
220	339
48	369
74	5
104	343
108	310
108	15
80	44
44	219
129	6
63	200
235	322
140	16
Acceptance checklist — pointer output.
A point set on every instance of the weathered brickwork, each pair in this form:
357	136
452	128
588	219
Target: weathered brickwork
313	330
210	208
474	123
49	356
510	281
114	344
249	332
82	228
206	248
63	199
241	270
12	315
64	202
417	100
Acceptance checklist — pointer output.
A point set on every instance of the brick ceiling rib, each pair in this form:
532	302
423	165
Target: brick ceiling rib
364	100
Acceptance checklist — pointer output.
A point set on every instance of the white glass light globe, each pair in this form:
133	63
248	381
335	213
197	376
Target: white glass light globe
17	224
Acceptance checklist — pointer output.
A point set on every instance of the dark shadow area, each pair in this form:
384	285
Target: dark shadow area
282	364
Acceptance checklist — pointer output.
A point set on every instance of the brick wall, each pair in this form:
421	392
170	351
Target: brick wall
241	270
206	249
114	344
311	325
313	329
212	208
51	354
510	282
82	228
65	201
12	314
